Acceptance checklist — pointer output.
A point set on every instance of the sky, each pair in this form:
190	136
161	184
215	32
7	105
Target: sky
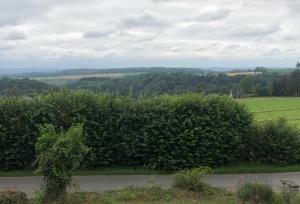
44	34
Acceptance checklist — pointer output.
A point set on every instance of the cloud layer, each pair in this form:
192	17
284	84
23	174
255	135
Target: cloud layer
115	33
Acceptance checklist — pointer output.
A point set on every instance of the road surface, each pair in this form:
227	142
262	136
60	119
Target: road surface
103	183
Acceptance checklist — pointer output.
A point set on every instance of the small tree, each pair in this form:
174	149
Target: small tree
298	65
57	155
246	85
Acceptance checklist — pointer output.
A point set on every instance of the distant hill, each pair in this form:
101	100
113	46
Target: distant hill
152	84
88	71
133	70
23	87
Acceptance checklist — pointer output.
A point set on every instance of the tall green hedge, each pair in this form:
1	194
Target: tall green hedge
275	142
166	132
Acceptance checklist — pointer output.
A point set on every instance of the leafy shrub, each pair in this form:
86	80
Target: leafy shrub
58	154
256	193
166	132
276	142
191	180
13	197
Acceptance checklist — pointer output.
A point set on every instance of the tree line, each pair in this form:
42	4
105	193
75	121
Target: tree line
23	87
154	84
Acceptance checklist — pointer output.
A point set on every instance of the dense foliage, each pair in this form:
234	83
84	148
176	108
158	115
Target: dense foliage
166	132
288	85
22	87
57	156
276	142
153	84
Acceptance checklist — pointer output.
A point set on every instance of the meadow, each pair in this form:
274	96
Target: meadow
269	108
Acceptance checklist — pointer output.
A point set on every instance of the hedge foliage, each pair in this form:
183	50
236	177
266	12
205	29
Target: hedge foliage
275	142
166	132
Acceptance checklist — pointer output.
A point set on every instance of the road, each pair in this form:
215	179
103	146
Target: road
103	183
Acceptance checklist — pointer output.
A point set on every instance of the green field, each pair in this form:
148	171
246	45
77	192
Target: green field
280	70
273	107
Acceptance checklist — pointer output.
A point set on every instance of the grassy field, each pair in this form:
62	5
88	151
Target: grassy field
280	70
272	108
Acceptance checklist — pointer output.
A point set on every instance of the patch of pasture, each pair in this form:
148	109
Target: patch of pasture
269	108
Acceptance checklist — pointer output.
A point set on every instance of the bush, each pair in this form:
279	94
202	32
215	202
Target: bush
276	142
58	155
166	132
13	197
191	180
256	193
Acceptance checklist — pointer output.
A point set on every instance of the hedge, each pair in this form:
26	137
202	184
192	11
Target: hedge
165	132
275	142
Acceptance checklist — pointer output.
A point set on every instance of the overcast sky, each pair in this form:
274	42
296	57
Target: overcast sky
130	33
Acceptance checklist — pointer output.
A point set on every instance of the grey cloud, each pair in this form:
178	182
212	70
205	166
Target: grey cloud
6	47
154	27
256	31
163	0
233	47
144	20
215	15
139	37
97	34
4	21
168	1
293	6
16	12
16	35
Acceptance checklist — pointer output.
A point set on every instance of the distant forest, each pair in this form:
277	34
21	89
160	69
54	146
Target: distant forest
153	84
23	87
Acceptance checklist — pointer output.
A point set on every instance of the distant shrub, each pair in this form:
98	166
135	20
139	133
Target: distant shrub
13	197
58	155
256	193
191	180
276	142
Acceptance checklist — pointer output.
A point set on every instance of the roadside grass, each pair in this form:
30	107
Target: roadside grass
93	172
239	169
121	171
149	195
255	169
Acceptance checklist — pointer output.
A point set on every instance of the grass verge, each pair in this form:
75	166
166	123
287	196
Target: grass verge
255	169
149	195
92	172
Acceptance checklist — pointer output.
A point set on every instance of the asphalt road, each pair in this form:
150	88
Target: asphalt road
103	183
